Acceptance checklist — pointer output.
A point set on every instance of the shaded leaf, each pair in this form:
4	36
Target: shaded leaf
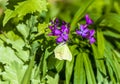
111	20
88	69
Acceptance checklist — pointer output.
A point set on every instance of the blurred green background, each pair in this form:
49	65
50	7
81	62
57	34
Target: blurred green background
98	63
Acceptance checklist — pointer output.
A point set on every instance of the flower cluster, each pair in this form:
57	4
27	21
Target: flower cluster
61	31
85	32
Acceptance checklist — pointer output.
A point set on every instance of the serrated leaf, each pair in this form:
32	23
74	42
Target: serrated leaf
17	49
14	72
24	30
41	28
8	53
24	8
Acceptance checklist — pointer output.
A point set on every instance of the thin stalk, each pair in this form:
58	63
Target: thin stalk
27	76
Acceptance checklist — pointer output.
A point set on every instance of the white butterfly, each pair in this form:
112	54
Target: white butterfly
62	52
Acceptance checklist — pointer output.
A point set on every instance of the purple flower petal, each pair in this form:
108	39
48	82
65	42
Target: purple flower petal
92	40
57	20
84	35
78	32
64	29
63	22
84	31
88	20
65	36
82	28
51	27
92	32
57	32
59	39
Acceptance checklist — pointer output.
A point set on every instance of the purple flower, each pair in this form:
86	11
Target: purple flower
91	36
84	32
61	31
88	20
92	40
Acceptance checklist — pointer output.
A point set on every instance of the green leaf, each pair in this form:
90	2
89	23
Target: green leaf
7	52
59	65
112	62
4	82
46	55
14	72
3	3
28	72
70	65
69	70
99	63
51	80
35	76
79	71
88	69
27	75
42	27
111	20
20	53
111	72
79	14
24	8
117	54
100	42
111	34
24	30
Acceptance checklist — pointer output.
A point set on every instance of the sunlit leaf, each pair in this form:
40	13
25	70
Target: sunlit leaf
24	8
69	65
51	80
79	71
12	71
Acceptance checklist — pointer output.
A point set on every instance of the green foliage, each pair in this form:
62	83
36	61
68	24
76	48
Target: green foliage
3	3
28	54
12	71
24	8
